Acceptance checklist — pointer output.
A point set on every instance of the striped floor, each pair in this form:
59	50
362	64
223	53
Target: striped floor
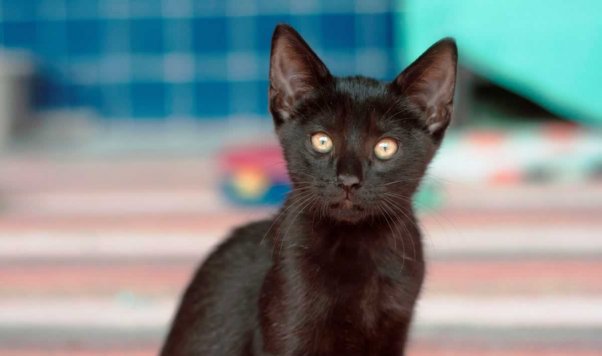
93	256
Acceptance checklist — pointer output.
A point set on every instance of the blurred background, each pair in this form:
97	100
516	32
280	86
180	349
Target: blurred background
134	135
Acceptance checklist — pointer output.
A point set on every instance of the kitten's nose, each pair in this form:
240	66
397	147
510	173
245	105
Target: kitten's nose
348	182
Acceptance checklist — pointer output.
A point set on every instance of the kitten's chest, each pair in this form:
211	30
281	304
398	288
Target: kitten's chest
342	301
353	313
359	290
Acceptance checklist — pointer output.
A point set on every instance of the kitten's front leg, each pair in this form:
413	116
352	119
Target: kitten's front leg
395	340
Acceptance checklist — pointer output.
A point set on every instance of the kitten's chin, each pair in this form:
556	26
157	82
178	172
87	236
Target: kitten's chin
346	212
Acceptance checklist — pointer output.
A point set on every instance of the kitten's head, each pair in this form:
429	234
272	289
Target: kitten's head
357	147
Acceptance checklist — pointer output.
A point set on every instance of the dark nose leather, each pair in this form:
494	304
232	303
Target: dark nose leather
348	182
349	171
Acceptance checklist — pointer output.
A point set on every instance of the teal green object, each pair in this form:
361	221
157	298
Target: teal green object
428	197
549	51
274	195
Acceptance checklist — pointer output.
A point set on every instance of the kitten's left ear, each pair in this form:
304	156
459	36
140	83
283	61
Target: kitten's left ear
296	72
429	83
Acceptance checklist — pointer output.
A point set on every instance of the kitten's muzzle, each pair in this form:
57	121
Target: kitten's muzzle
346	210
348	183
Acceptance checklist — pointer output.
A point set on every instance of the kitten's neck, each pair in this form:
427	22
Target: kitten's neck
312	232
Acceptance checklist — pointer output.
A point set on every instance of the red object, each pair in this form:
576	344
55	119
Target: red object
506	177
486	138
268	159
560	131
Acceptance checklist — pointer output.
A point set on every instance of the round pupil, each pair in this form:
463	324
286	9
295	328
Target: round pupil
323	141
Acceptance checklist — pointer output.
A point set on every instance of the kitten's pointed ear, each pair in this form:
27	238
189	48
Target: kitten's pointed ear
295	72
429	83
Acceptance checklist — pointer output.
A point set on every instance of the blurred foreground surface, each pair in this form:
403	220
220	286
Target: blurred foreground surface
95	251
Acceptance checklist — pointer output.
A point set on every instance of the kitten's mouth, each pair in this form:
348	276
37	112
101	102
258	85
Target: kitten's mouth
346	210
346	204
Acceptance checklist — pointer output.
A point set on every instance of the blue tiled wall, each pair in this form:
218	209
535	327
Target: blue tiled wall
154	59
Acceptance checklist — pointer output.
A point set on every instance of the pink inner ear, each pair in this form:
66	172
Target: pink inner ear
429	82
295	70
296	79
291	78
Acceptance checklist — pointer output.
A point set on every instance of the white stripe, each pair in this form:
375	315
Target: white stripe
511	312
122	313
116	202
129	312
524	197
109	243
526	238
90	244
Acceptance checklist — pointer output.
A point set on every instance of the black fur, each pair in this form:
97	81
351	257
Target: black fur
338	270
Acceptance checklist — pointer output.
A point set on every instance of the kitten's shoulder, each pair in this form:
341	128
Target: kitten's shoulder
246	242
235	265
253	233
219	305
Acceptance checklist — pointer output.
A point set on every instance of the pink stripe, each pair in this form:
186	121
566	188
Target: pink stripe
518	277
417	350
443	350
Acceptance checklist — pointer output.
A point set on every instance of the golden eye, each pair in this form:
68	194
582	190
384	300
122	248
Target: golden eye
321	142
385	148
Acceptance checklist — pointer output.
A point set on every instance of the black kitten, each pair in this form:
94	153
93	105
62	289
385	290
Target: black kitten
338	271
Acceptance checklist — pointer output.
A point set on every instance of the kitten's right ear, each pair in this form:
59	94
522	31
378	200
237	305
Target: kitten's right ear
429	83
295	72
